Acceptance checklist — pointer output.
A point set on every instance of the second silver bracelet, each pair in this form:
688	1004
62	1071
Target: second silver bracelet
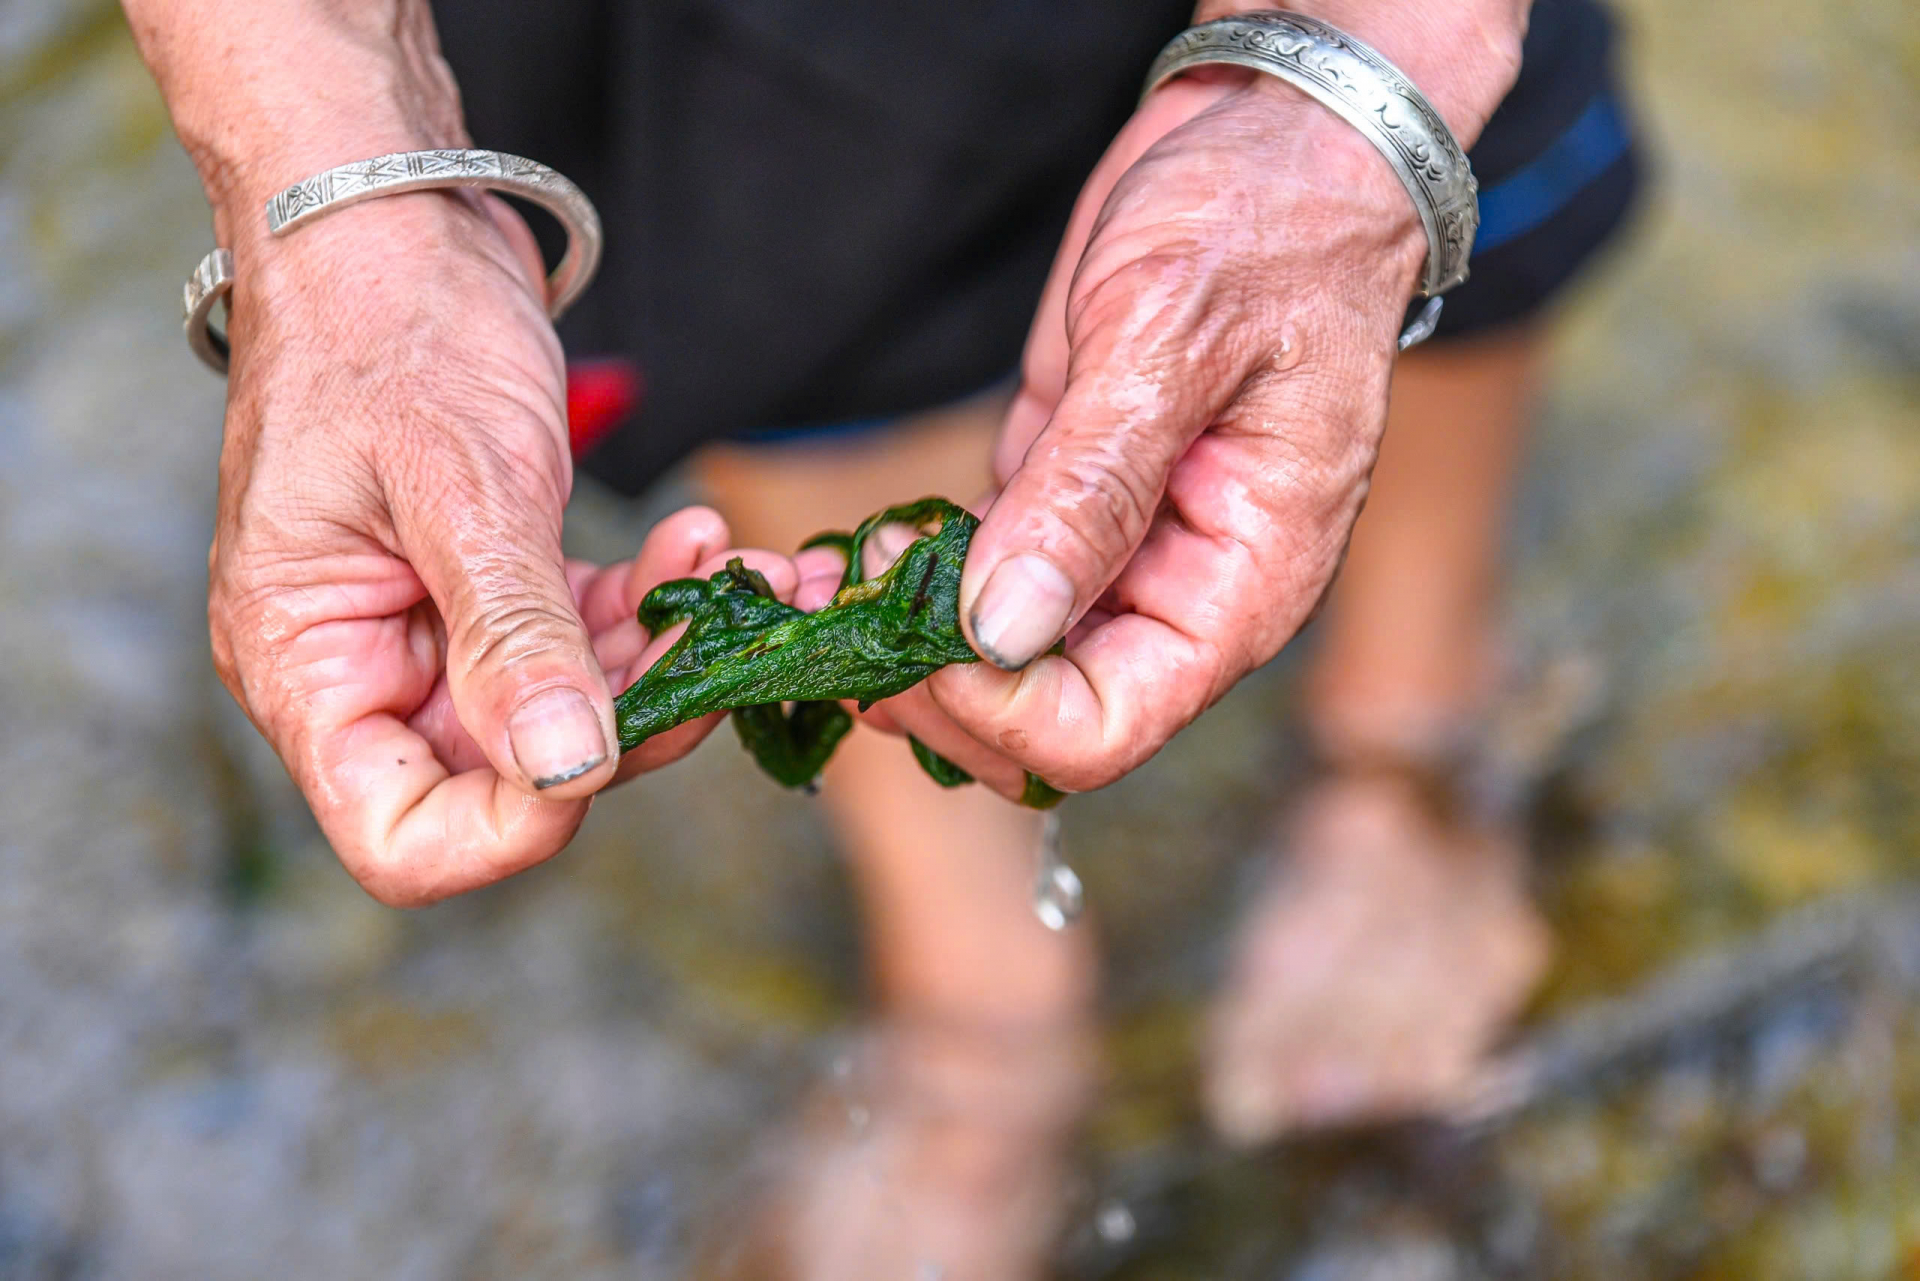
391	175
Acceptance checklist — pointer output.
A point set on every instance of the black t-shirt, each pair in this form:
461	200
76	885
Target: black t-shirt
822	210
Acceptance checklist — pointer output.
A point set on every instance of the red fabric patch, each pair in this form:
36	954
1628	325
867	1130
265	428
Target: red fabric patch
601	394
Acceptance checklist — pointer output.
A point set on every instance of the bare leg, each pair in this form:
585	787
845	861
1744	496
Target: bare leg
946	875
1397	939
937	1154
1404	652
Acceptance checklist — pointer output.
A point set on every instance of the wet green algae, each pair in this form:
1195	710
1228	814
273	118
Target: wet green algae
783	673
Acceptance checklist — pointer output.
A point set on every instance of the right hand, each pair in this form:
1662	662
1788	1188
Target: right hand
388	600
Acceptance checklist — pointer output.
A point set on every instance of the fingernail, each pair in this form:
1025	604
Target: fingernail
556	737
1021	611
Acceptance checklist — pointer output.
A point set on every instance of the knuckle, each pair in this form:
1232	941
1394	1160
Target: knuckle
387	879
248	628
1114	276
220	635
1090	769
239	637
1174	309
387	869
1081	776
505	629
1102	498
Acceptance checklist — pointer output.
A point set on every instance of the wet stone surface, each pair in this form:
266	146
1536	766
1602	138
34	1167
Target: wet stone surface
218	1059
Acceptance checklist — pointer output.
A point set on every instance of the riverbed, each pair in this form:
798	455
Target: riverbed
219	1059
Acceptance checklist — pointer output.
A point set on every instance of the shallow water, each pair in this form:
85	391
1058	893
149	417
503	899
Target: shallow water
218	1059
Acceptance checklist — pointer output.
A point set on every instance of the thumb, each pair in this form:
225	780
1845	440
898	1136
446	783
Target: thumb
1080	501
520	664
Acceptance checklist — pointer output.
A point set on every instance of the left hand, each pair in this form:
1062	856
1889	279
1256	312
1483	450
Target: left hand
1203	395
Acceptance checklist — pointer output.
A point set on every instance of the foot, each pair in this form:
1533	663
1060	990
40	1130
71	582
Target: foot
1392	948
932	1154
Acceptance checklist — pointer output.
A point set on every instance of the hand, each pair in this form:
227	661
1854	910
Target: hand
1202	400
388	599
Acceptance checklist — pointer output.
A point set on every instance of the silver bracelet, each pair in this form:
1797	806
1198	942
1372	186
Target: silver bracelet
1369	93
390	175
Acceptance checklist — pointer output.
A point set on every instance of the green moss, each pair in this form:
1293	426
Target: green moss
938	768
784	673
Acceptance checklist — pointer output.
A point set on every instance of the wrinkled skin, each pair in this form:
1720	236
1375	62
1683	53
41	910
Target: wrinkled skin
1202	399
387	586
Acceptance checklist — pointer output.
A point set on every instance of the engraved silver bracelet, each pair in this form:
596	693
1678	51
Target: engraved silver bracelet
1369	93
391	175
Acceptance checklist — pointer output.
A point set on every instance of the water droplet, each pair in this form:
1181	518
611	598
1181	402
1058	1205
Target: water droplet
1057	893
858	1116
1058	897
1114	1223
928	1271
